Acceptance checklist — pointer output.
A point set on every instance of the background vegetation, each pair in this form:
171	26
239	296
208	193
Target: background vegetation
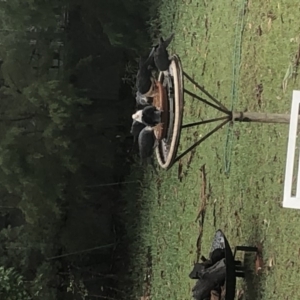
64	138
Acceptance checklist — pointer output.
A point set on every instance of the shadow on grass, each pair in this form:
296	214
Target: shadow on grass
127	265
252	282
95	67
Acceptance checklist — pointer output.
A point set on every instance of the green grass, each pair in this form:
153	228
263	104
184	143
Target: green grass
247	203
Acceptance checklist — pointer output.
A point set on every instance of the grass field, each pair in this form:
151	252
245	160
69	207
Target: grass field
246	205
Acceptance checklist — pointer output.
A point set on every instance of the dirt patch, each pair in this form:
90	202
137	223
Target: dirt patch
201	213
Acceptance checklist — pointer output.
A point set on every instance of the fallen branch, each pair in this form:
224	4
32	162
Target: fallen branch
201	212
102	297
198	243
180	173
80	252
296	63
203	195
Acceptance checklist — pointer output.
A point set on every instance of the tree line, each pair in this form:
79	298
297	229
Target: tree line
63	139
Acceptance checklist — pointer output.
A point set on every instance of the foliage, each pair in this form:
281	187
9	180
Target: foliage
130	74
18	15
12	285
42	122
56	143
77	287
124	27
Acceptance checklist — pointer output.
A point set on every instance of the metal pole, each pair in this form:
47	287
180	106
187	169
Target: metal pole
261	117
201	88
204	122
207	102
201	140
